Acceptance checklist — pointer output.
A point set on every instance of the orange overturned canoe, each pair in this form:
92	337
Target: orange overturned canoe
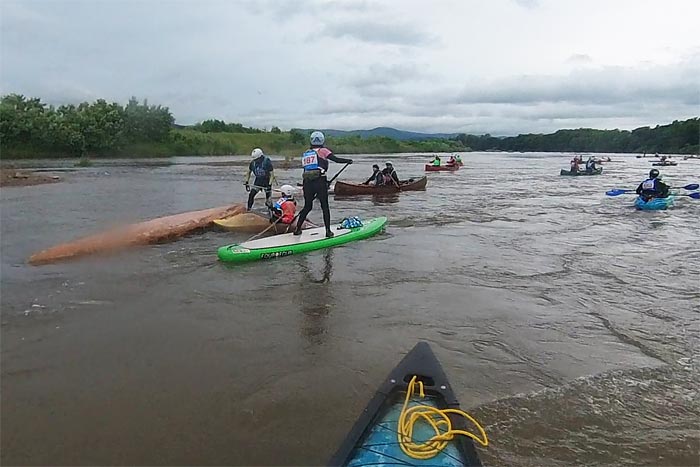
345	188
142	233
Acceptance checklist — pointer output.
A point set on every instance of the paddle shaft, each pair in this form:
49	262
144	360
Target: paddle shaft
339	172
271	226
617	192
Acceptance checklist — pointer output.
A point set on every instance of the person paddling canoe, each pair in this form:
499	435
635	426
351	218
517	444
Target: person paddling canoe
390	175
315	163
652	187
574	164
436	160
590	165
376	176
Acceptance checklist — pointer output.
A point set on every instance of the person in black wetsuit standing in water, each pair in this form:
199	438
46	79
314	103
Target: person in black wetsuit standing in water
315	163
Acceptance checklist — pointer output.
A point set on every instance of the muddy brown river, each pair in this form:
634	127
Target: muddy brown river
567	322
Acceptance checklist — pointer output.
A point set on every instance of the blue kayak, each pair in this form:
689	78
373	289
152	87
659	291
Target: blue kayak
654	204
373	439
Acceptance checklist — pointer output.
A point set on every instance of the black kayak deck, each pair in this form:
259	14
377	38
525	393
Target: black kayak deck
420	362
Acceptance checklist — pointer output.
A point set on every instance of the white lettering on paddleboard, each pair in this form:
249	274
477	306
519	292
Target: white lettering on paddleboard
276	254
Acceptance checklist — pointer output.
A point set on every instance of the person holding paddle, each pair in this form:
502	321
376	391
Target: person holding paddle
284	208
652	187
376	177
390	175
315	163
261	167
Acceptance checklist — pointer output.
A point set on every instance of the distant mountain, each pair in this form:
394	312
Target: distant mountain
392	133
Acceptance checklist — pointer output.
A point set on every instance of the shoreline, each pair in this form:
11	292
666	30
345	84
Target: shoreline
10	177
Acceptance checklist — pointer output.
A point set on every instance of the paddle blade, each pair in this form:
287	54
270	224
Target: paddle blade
695	195
692	186
616	192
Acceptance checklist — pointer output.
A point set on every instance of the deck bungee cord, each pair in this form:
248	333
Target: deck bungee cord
438	419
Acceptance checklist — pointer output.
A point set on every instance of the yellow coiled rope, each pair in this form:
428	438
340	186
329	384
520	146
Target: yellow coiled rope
437	419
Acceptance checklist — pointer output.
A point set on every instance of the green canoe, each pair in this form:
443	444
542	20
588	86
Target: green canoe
597	171
290	244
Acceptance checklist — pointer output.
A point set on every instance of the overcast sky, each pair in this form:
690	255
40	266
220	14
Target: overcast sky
491	66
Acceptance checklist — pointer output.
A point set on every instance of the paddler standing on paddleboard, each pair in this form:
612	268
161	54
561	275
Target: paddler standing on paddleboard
261	166
315	163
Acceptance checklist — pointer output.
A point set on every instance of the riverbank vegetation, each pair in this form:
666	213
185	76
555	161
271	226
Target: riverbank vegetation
31	129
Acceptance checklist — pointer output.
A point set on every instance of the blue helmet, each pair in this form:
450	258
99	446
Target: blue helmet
317	138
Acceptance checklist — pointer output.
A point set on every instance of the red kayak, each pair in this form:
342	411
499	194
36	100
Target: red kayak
440	168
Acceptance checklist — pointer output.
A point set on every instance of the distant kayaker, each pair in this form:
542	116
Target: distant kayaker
458	159
376	176
653	187
315	163
284	208
436	160
261	167
390	175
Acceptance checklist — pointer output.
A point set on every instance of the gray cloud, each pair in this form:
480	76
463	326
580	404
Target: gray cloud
374	32
528	3
676	83
579	59
384	75
459	66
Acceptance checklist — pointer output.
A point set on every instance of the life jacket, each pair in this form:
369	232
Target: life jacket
259	168
649	186
436	162
315	159
388	179
285	207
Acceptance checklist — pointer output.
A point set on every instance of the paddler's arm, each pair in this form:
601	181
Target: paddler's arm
339	160
246	182
247	177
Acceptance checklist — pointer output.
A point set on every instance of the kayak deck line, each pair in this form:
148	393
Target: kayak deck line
375	438
141	233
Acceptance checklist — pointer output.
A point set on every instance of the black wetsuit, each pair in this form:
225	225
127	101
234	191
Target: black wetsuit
316	186
261	168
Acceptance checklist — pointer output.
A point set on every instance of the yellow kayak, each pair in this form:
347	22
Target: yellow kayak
253	223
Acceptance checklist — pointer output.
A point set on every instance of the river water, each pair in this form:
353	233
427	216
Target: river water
566	320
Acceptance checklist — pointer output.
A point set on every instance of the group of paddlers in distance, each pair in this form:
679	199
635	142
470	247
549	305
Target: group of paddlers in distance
590	163
454	160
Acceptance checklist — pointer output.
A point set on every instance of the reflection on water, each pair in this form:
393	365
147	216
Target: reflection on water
316	297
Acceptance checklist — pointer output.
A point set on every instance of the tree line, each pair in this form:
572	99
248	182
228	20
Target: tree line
679	137
30	128
28	125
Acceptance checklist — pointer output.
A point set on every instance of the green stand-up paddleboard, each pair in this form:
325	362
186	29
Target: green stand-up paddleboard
290	244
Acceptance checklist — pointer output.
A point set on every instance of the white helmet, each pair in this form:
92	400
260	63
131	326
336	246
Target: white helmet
257	152
388	163
287	190
317	138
